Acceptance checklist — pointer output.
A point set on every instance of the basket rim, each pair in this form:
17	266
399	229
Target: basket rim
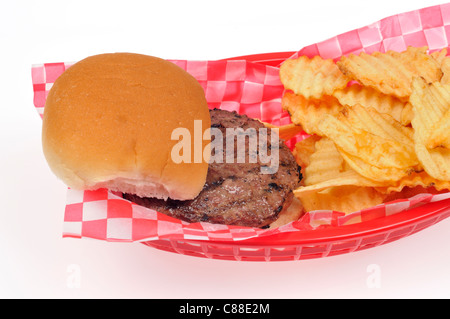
410	218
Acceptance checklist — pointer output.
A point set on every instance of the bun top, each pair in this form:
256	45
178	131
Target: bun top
108	123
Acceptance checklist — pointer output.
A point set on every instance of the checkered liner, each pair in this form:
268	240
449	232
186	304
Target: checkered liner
253	89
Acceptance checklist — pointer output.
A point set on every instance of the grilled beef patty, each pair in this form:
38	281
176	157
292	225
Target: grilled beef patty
236	193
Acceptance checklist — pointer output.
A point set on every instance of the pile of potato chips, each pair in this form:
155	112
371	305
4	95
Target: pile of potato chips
378	123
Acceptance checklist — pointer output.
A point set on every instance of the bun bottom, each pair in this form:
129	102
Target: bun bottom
135	186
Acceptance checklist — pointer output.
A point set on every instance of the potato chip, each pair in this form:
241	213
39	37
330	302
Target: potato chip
439	56
346	199
325	163
368	140
445	68
407	115
304	149
444	62
374	145
308	113
369	97
413	180
372	172
312	78
285	132
345	178
383	125
430	103
434	102
391	72
384	136
440	133
327	168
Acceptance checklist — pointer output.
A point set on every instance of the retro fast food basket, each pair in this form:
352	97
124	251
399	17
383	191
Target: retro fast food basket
251	85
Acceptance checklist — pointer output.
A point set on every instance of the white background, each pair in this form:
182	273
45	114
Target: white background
36	262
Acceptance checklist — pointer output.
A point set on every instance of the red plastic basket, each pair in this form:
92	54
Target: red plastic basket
317	243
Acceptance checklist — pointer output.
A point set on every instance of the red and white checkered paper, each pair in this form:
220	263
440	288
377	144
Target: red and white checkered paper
253	89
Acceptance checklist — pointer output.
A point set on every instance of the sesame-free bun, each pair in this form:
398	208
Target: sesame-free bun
108	122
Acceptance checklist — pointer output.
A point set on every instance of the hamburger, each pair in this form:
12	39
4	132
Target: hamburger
109	121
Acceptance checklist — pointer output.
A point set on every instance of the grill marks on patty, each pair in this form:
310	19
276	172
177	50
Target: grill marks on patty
236	193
